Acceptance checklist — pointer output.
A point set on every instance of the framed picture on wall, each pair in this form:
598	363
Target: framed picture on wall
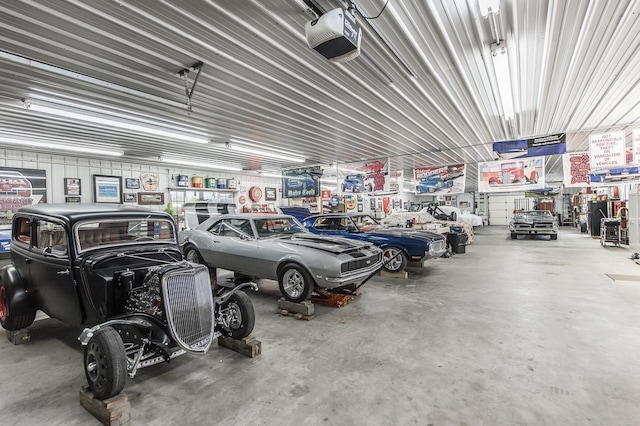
150	198
360	207
72	186
270	194
130	197
107	189
132	183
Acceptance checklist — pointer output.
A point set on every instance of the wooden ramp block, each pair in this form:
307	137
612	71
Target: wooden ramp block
249	346
115	411
401	274
18	337
305	308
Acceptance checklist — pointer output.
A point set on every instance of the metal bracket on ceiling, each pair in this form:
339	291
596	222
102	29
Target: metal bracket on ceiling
185	76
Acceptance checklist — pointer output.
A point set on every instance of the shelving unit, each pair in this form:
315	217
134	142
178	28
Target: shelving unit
192	205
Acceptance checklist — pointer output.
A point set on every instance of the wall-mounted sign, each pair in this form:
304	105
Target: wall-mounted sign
302	182
520	174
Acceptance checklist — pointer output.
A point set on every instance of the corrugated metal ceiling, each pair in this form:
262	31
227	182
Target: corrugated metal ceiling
423	92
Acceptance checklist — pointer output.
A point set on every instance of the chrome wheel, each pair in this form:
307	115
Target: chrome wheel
293	283
296	285
193	256
394	259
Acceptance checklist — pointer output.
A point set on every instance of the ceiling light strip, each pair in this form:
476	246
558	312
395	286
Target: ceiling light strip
84	78
115	123
55	146
202	165
265	153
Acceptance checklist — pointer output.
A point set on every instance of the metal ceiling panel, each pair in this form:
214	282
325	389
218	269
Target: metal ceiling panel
423	92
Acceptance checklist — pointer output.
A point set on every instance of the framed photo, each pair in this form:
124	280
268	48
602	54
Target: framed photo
107	189
372	205
360	208
359	198
132	183
150	198
130	197
71	186
270	194
73	199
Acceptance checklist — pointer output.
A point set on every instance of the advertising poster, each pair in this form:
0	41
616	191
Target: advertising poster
20	187
368	177
524	174
576	169
302	182
395	181
607	150
532	147
448	179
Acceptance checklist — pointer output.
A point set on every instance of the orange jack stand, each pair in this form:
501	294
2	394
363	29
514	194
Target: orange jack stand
330	299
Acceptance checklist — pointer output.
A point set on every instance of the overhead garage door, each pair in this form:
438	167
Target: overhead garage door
501	207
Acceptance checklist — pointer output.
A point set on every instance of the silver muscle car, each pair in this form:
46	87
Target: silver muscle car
278	247
534	222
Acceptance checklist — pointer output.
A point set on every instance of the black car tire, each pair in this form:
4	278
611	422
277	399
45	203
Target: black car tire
296	285
344	187
398	263
11	320
369	187
240	308
105	363
192	255
514	236
554	236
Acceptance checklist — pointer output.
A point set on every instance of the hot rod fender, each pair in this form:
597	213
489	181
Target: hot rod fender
18	300
147	325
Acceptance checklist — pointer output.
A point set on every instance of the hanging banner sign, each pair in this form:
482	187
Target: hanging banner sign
576	169
635	140
448	179
533	147
607	150
511	175
299	183
364	177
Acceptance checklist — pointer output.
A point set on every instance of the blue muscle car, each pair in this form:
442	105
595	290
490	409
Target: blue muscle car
400	246
355	183
433	183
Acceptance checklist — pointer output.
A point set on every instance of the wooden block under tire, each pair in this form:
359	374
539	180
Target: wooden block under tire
115	411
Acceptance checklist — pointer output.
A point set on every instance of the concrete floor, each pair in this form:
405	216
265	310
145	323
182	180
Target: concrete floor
510	333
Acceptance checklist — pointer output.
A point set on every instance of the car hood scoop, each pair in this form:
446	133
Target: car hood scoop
326	243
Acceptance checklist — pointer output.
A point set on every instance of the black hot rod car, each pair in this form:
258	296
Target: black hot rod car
117	271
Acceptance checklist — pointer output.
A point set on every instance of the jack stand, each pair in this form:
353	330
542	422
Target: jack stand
114	411
330	299
247	346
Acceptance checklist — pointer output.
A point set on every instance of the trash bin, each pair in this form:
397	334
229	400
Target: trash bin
457	239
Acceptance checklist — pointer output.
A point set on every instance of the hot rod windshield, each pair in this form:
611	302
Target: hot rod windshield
114	232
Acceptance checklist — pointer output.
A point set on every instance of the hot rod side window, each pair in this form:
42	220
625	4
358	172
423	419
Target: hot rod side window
52	236
22	230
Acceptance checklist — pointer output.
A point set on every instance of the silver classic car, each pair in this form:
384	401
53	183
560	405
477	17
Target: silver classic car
278	247
534	222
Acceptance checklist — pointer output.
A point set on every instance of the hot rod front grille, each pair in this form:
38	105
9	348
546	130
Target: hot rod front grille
189	307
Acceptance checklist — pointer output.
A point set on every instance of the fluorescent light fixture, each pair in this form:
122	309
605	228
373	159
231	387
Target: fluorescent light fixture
234	146
203	165
55	146
116	123
488	7
273	175
503	77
